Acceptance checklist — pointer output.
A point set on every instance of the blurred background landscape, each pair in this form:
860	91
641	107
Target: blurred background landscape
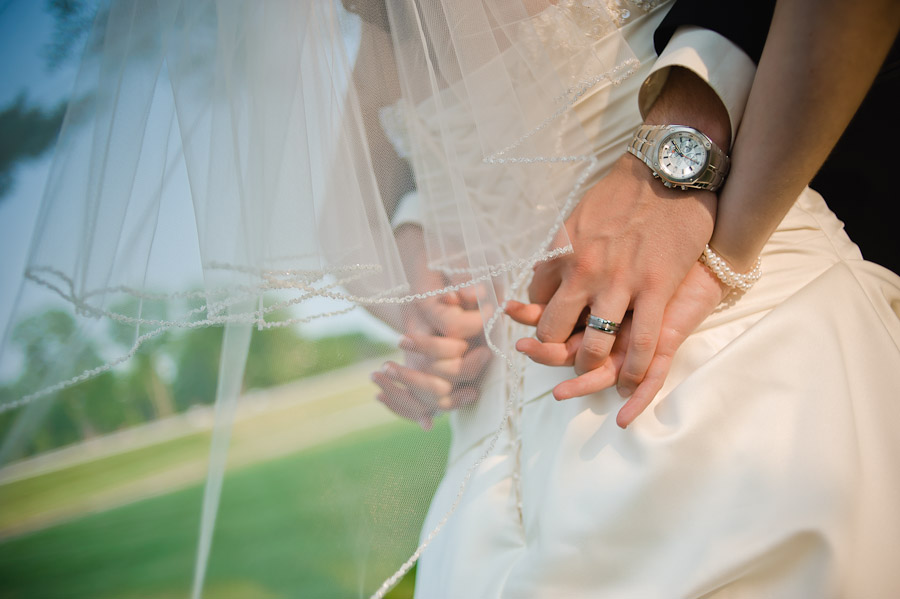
103	498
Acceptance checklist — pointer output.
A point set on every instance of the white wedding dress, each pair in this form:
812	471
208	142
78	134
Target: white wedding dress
766	467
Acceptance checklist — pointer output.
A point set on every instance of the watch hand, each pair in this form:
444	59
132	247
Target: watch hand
685	156
682	154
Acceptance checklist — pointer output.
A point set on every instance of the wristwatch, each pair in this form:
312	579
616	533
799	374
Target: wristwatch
680	156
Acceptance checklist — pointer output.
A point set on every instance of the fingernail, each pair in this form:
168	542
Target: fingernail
425	423
445	403
406	343
388	368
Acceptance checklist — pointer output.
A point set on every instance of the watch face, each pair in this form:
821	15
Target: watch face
683	156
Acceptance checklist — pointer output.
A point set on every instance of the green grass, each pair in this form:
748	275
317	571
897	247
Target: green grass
297	526
39	494
127	475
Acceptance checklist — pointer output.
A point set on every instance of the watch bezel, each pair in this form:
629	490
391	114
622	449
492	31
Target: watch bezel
704	141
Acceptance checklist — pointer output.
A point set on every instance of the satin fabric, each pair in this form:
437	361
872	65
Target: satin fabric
766	466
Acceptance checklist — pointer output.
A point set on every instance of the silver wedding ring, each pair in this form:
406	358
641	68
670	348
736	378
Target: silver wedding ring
601	324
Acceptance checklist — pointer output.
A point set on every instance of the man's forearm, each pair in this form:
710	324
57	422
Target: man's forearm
688	100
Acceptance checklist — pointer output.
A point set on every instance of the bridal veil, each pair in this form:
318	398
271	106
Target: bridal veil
245	164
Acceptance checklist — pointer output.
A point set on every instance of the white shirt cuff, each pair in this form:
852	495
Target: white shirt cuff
713	58
408	211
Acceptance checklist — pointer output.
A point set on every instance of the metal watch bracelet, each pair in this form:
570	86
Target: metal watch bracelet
645	145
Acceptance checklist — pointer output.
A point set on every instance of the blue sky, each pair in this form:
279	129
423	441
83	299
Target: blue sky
25	30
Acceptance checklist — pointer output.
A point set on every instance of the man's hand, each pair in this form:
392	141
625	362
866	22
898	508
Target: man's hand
695	299
634	242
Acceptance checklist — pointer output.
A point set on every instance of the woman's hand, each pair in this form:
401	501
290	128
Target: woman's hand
443	343
440	374
634	242
450	315
695	299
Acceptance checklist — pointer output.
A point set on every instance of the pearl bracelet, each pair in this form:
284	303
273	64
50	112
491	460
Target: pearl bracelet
726	274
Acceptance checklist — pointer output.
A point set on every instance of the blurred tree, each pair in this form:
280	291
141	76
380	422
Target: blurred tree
137	392
196	354
27	130
281	355
72	414
140	379
72	21
277	356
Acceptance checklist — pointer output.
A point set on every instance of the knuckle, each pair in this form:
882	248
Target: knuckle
583	269
452	368
643	342
543	333
461	347
670	340
594	347
442	388
451	329
630	378
418	362
476	361
655	279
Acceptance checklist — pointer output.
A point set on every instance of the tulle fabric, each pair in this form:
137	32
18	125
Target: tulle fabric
239	164
251	117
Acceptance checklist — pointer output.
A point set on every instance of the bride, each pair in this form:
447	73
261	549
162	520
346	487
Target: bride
736	483
466	180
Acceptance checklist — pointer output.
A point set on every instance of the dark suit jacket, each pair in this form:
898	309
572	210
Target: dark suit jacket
859	180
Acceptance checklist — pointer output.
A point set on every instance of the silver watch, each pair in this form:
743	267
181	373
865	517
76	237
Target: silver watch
680	156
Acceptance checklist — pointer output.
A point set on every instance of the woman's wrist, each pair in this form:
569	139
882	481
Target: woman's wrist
737	248
739	275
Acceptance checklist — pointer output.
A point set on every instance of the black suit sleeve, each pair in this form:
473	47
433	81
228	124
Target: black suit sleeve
744	22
